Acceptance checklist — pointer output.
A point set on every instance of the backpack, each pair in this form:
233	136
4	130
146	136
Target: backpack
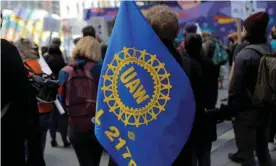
80	96
265	88
220	55
46	86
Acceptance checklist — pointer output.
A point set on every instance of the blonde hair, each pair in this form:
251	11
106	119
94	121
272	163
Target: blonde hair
88	47
164	21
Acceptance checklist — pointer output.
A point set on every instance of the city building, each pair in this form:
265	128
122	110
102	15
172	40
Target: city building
50	6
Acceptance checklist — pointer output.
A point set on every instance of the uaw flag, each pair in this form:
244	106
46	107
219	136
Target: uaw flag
145	104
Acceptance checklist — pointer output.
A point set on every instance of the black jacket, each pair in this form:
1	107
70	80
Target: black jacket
209	96
21	121
244	79
193	70
55	60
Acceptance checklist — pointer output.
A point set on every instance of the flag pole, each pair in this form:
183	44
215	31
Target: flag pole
238	23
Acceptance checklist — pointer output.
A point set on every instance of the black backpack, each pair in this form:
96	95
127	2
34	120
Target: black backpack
46	86
265	88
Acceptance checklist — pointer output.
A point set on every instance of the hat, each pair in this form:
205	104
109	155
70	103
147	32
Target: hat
256	23
190	27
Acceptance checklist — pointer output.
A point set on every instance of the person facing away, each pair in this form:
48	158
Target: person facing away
165	23
55	61
29	55
56	43
204	125
76	40
20	121
78	92
190	27
251	124
89	31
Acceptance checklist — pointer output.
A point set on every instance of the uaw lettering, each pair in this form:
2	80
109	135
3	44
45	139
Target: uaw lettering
138	102
150	102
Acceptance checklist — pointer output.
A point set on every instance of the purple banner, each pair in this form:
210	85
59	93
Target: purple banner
202	13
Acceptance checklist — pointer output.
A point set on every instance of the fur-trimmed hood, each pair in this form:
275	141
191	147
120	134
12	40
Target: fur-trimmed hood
27	49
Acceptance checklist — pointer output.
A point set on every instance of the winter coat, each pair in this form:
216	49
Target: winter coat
244	79
55	60
193	71
21	121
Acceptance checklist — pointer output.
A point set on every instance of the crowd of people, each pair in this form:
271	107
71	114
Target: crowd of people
25	121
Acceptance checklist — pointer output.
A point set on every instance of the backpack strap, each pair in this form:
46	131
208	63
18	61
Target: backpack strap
259	49
68	69
29	68
88	66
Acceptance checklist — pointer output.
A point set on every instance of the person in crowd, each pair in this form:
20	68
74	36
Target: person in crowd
233	42
272	128
89	31
54	59
239	47
56	42
56	62
44	51
165	24
76	40
28	52
19	112
78	92
206	36
273	36
103	49
209	49
251	124
190	27
209	91
219	51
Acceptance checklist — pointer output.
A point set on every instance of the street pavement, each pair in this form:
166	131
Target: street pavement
225	143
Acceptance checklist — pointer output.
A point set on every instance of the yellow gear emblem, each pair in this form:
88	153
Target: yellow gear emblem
161	90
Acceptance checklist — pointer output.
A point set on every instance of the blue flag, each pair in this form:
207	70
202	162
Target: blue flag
145	104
